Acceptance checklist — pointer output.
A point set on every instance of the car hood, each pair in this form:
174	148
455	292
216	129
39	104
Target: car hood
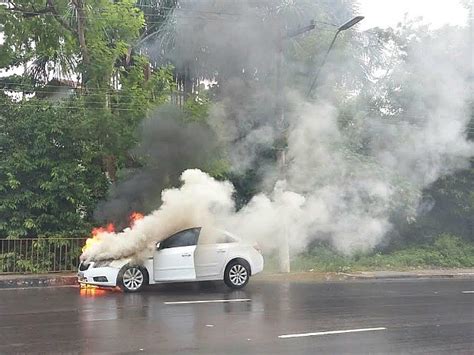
116	264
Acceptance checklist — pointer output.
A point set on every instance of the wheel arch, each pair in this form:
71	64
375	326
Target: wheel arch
239	259
127	265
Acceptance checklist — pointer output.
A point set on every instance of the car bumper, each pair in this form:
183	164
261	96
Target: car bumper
258	264
102	276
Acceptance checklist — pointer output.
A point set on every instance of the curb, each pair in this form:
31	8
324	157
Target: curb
58	280
365	275
38	281
409	275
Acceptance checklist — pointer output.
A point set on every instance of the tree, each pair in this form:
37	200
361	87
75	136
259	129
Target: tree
78	140
50	174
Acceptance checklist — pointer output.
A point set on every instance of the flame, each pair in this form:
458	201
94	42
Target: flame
109	228
134	217
91	290
87	290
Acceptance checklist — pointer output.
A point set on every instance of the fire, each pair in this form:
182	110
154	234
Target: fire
134	217
93	290
110	228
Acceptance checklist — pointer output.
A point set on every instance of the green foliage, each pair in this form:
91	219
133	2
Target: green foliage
196	108
50	173
40	255
111	29
58	158
447	251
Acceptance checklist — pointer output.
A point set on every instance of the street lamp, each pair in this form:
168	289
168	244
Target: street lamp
284	247
345	26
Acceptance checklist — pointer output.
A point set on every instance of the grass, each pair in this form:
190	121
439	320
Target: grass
447	251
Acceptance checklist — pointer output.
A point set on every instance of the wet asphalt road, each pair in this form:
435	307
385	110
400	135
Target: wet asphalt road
420	316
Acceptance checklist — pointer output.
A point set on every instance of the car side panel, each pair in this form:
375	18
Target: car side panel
246	252
210	259
148	265
174	264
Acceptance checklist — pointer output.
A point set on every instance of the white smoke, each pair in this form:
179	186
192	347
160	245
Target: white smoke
201	201
341	183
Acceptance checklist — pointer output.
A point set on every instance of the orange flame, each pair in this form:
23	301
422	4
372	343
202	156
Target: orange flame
134	217
109	228
93	291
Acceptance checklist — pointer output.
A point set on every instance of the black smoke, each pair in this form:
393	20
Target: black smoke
168	146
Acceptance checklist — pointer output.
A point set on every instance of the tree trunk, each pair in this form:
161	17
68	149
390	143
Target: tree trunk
81	35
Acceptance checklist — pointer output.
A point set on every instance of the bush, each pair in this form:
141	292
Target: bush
447	251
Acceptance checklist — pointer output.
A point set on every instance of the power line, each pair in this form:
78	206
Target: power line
468	127
72	107
97	91
95	16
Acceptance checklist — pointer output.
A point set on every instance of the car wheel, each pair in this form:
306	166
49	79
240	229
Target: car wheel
236	274
132	278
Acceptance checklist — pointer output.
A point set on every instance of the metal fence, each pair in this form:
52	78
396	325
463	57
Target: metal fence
29	256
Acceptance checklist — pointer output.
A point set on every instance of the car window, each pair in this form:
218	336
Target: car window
215	237
181	239
225	239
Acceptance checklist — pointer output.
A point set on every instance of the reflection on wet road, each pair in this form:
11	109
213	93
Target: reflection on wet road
266	317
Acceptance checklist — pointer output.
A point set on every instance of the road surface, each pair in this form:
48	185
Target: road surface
400	316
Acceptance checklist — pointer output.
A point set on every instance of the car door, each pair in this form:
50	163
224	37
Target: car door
173	259
210	258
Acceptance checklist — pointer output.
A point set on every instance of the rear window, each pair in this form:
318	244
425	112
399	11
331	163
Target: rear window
215	238
225	239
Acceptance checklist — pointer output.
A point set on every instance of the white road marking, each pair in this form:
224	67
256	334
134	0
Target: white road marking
467	291
330	332
212	301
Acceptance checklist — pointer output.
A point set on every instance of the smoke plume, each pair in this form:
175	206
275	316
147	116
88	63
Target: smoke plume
201	201
348	173
167	146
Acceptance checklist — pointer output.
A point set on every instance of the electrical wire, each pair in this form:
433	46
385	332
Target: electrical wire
159	15
468	128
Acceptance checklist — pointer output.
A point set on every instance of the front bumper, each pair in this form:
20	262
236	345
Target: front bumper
101	276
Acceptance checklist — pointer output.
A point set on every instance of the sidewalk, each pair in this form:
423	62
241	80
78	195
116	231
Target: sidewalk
367	275
69	279
451	273
37	280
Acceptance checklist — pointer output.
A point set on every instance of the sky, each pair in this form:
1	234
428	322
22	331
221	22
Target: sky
387	13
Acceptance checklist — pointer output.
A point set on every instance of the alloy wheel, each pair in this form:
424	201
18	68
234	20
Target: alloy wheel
238	275
133	278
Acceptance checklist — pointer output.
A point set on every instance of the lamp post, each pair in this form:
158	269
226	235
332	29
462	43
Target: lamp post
284	247
345	26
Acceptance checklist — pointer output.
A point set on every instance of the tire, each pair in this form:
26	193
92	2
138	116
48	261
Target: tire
237	274
132	278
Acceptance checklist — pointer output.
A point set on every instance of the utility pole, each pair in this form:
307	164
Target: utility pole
343	27
471	30
284	246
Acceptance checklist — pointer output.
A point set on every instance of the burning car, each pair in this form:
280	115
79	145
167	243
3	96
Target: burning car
182	257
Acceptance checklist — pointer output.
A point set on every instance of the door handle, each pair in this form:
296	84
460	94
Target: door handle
221	250
185	254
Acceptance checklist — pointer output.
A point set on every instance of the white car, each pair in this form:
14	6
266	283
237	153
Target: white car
180	258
